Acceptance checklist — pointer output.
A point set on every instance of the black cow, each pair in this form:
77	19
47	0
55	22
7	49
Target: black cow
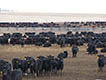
60	64
49	64
101	61
37	67
4	66
30	62
75	49
91	49
63	55
20	64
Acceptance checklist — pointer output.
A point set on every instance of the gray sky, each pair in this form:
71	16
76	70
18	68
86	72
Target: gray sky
57	6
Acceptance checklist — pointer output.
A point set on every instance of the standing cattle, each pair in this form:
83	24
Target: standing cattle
4	66
60	64
20	64
75	49
35	66
30	62
101	61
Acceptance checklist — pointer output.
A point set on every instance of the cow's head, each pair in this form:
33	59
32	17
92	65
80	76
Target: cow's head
101	57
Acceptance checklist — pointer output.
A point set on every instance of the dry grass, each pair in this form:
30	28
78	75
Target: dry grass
84	67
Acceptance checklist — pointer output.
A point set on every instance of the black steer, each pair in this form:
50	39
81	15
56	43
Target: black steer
75	49
101	61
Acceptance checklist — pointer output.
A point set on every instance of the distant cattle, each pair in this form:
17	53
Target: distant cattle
92	49
47	44
46	39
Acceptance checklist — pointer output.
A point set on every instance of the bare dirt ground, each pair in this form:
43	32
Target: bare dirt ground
84	67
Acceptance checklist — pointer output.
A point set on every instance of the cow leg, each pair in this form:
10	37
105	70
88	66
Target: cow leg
31	70
75	54
100	69
24	71
72	54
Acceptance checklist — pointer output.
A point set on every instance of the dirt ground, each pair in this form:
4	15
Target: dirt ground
84	67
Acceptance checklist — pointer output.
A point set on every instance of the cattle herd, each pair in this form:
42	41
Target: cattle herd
53	24
49	65
41	66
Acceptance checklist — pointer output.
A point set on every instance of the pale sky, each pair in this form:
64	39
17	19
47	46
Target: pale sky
57	6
